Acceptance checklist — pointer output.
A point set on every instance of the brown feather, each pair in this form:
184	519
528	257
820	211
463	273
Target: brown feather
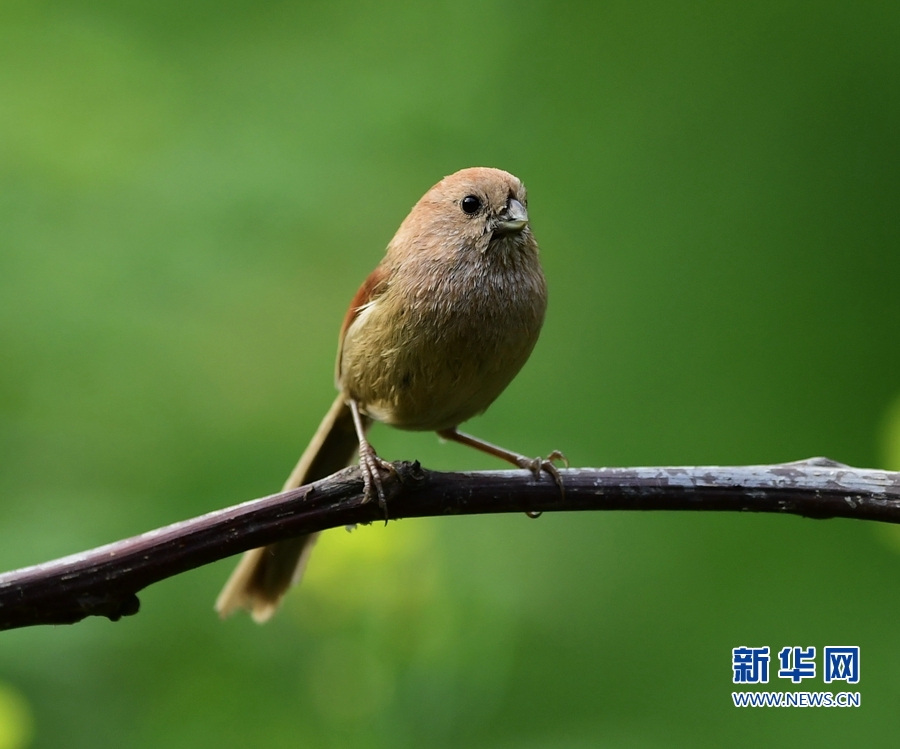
373	287
264	575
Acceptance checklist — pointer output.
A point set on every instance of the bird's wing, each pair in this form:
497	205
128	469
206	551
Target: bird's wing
367	294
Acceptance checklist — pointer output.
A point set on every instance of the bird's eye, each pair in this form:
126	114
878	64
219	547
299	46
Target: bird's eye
470	204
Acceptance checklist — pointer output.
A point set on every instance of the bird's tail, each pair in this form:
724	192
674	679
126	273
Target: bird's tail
263	576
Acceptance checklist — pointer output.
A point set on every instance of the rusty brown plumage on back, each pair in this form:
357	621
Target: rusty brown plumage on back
432	337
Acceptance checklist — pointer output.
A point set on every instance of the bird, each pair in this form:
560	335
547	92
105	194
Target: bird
431	338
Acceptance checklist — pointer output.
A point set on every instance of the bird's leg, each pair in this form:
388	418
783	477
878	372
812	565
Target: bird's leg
370	464
535	465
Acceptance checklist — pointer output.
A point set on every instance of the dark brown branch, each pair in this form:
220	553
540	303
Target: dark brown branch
105	581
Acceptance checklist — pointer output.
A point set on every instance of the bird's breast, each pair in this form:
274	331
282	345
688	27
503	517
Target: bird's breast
439	346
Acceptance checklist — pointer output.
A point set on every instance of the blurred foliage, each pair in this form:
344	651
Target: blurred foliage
892	437
190	194
15	719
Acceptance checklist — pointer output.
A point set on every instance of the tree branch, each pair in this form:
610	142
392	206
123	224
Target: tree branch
105	581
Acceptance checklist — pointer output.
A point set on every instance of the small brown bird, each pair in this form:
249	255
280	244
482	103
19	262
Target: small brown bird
432	337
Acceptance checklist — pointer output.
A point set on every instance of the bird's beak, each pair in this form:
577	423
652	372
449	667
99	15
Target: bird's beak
513	219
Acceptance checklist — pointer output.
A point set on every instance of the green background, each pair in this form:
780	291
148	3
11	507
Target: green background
190	194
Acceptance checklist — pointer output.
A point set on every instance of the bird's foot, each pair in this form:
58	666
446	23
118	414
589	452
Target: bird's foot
371	467
537	465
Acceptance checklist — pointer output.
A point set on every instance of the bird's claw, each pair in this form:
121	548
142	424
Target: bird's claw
537	465
371	467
